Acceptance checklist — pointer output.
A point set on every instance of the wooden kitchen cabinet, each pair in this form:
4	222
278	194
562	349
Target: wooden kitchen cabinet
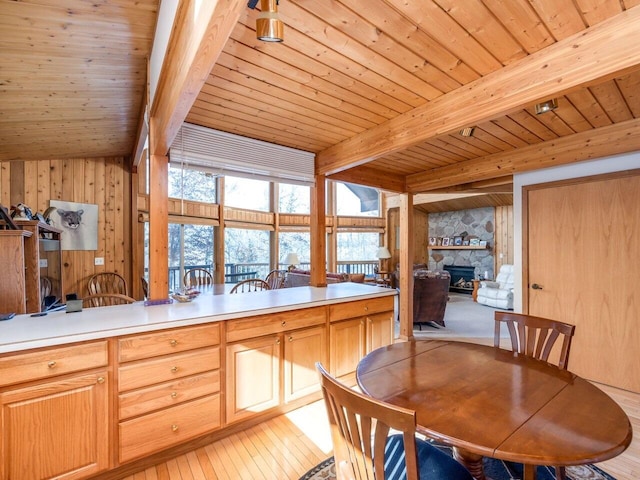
356	328
57	427
278	367
168	388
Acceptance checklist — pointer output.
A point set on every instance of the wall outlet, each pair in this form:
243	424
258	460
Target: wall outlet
98	261
43	263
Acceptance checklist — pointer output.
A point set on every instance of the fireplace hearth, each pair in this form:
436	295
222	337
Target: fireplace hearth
461	278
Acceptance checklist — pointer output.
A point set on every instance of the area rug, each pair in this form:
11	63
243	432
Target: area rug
495	469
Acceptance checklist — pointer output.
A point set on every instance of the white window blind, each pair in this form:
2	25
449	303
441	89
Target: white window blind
224	153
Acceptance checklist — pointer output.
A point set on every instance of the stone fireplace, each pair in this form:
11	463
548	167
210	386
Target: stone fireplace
461	278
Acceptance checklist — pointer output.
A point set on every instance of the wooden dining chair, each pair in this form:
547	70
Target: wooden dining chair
107	282
356	419
250	285
106	299
276	278
535	337
197	277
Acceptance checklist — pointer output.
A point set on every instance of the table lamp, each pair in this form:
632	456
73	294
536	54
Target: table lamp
382	254
292	260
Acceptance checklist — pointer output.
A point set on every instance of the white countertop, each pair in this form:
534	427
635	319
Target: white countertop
58	328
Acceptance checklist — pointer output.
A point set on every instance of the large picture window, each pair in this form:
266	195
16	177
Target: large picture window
190	184
246	254
246	193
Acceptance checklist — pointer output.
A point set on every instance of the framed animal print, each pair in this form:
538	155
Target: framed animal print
78	222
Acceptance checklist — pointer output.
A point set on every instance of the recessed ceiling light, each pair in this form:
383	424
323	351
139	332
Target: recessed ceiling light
547	106
467	132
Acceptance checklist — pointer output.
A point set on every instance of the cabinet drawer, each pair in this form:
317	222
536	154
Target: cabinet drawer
154	432
170	367
145	400
167	341
342	311
24	367
274	323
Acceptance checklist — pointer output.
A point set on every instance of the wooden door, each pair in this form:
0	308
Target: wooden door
302	349
253	377
58	429
582	255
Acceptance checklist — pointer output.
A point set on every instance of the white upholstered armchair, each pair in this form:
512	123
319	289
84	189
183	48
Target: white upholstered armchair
498	294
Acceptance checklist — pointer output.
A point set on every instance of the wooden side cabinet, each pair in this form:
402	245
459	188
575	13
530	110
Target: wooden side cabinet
12	280
57	429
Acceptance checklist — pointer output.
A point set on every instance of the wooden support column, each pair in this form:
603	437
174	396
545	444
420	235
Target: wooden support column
406	267
218	241
318	233
158	227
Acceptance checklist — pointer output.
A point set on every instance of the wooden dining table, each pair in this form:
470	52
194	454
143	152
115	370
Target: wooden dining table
491	402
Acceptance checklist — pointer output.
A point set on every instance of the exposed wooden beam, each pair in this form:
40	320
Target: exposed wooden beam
200	32
371	177
610	140
566	65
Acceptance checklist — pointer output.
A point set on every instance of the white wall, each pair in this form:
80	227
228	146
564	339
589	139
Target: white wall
616	163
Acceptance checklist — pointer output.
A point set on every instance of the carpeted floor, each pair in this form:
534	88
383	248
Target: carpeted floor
495	469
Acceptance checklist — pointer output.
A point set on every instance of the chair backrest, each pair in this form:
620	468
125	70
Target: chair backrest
276	278
430	295
505	276
197	277
106	299
250	285
145	287
535	336
354	420
107	282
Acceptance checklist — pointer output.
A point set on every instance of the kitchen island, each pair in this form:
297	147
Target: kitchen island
132	384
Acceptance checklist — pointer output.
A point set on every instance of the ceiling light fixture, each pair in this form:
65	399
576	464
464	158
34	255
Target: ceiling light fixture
467	132
269	28
547	106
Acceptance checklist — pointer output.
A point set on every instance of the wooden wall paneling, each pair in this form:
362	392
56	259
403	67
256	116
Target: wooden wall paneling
31	185
5	184
99	197
55	179
503	237
44	186
420	237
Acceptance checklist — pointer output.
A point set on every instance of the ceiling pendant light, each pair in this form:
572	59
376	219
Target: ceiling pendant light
547	106
269	28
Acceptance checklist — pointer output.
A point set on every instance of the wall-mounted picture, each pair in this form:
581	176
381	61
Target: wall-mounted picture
457	241
78	222
445	241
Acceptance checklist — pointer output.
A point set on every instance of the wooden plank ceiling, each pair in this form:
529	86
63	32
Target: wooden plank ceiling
72	76
348	73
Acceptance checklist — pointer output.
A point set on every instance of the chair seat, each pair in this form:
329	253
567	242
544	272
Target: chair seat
432	463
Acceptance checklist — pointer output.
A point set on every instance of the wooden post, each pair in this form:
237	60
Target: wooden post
318	233
406	267
158	226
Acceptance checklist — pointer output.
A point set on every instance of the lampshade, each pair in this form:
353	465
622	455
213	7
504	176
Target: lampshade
291	259
383	252
269	28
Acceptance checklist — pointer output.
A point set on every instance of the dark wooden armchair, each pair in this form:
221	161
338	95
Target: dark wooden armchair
430	296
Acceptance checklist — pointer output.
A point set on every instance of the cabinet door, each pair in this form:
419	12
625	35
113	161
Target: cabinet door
56	429
346	340
302	349
379	330
253	377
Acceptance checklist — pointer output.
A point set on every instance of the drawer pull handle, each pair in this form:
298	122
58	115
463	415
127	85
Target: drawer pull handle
174	394
284	323
174	369
366	309
173	343
278	341
291	339
100	379
51	364
174	428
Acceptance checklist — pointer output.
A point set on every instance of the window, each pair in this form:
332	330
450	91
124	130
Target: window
355	200
357	252
190	184
295	242
189	246
294	198
246	193
246	254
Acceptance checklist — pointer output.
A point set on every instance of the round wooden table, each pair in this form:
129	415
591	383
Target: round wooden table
491	402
